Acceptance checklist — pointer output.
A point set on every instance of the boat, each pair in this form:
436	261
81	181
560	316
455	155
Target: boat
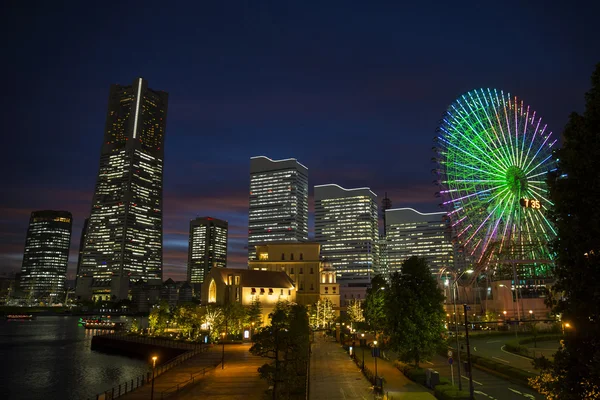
109	325
20	316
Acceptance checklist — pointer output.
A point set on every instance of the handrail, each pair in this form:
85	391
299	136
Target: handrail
131	385
193	377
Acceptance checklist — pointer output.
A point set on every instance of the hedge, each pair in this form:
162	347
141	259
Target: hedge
449	392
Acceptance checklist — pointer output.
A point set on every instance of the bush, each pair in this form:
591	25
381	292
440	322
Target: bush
417	375
449	392
514	346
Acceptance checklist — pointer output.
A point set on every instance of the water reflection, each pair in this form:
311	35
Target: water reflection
50	358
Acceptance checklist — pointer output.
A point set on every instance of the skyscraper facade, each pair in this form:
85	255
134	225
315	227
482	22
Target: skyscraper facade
46	255
278	202
346	227
207	248
124	236
413	233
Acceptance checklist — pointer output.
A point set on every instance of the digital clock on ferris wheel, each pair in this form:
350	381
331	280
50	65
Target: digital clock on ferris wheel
531	203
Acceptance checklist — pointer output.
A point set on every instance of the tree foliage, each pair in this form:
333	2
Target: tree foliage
575	190
322	314
355	311
254	314
414	312
374	304
286	342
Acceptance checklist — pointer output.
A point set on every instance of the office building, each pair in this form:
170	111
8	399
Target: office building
81	244
413	233
124	236
278	202
207	249
46	256
346	227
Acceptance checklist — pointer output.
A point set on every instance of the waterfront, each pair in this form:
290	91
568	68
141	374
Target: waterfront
50	358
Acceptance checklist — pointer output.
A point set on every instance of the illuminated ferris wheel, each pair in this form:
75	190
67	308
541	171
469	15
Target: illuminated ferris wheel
494	154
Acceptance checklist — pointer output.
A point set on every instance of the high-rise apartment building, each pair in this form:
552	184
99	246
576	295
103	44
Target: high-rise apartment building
207	249
124	236
346	227
46	255
413	233
278	202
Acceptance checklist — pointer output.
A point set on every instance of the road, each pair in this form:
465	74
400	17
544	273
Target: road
486	386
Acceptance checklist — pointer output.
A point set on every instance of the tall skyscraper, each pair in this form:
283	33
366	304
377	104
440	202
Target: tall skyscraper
81	245
386	204
207	249
278	202
412	233
124	236
346	226
46	255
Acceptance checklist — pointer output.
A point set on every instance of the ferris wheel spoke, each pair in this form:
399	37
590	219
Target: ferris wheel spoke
535	156
481	151
538	165
466	153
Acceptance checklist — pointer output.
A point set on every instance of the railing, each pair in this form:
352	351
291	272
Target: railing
142	380
181	385
173	344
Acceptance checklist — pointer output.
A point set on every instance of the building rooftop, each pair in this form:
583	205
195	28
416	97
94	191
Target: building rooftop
256	278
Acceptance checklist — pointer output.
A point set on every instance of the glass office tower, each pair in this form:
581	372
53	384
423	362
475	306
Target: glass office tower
278	202
124	235
207	249
346	226
46	256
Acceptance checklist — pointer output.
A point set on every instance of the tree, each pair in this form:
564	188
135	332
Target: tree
285	341
254	314
159	315
414	311
374	304
355	312
575	212
322	314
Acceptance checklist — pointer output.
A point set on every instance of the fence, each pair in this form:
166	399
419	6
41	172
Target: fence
142	380
193	378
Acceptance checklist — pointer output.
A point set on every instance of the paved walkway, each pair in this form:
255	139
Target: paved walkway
333	375
396	384
239	378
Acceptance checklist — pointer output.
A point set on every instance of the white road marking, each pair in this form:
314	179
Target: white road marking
516	355
484	394
467	378
428	362
501	359
527	395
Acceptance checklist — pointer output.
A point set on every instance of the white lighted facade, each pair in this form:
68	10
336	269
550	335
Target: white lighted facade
346	227
46	255
244	286
124	235
278	202
413	233
207	248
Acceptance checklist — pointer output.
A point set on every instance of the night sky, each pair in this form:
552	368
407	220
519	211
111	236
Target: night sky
353	90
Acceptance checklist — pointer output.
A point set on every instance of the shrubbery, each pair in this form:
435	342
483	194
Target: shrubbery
449	392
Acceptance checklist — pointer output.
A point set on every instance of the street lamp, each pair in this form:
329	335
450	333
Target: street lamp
454	295
154	358
531	314
375	357
223	353
252	333
362	344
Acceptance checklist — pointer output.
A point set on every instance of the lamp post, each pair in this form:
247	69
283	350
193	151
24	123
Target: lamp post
375	357
252	333
530	314
154	358
362	344
223	352
454	295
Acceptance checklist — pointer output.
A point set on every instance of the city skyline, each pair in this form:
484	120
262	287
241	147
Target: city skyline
317	97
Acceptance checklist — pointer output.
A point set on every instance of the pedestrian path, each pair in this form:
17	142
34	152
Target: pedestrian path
396	385
182	373
333	375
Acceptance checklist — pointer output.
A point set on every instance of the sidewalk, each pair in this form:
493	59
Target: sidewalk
396	385
333	375
178	374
